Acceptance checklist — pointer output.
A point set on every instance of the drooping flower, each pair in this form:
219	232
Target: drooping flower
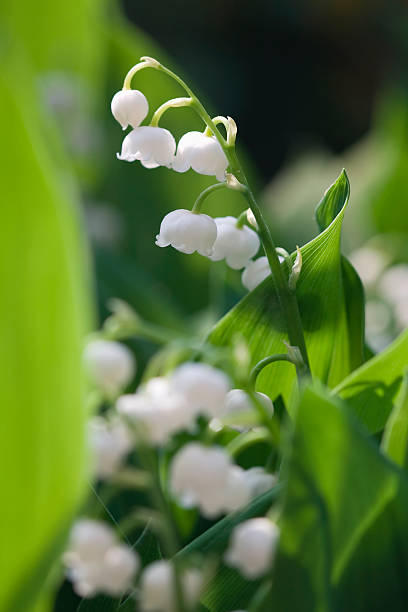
255	272
96	562
152	146
110	442
204	387
157	587
129	107
110	364
187	232
206	478
237	245
201	153
253	546
158	409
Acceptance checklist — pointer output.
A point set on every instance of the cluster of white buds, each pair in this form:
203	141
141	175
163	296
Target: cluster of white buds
158	587
253	547
110	442
165	406
97	562
110	365
205	477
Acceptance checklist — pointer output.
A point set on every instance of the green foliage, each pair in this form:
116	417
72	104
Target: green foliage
372	389
43	311
339	489
395	438
332	324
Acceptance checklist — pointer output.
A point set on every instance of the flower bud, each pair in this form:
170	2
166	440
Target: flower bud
201	153
152	146
157	587
238	401
253	546
234	244
255	272
187	232
110	364
129	107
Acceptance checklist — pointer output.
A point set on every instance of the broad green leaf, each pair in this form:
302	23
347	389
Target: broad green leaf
338	483
333	328
395	438
371	390
43	313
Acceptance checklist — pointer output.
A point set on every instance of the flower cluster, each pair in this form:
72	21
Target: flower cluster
222	238
97	562
205	477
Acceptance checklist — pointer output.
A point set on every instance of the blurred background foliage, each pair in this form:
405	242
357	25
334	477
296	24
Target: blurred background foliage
314	86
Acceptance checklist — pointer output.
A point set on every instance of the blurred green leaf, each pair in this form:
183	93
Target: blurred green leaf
371	390
333	326
338	483
44	312
395	438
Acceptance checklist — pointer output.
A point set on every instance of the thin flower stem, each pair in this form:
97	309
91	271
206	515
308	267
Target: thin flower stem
204	194
263	363
287	298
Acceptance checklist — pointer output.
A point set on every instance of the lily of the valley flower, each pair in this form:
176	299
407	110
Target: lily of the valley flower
110	442
206	478
237	245
110	364
188	232
97	562
253	547
204	387
129	107
152	146
157	587
255	272
201	153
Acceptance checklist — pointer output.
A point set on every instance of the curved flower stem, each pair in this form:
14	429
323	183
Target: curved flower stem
287	298
204	194
263	363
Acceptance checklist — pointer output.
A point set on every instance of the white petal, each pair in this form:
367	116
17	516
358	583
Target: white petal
129	107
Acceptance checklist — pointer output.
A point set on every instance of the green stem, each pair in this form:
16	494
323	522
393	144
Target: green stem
204	194
242	219
263	363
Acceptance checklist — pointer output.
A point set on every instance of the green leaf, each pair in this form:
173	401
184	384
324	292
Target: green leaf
372	389
338	484
395	438
332	322
44	314
333	201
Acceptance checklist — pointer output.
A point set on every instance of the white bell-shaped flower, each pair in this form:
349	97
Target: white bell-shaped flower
188	232
253	547
201	153
238	401
129	107
204	387
255	272
157	587
237	245
110	364
152	146
110	442
158	409
96	562
206	478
